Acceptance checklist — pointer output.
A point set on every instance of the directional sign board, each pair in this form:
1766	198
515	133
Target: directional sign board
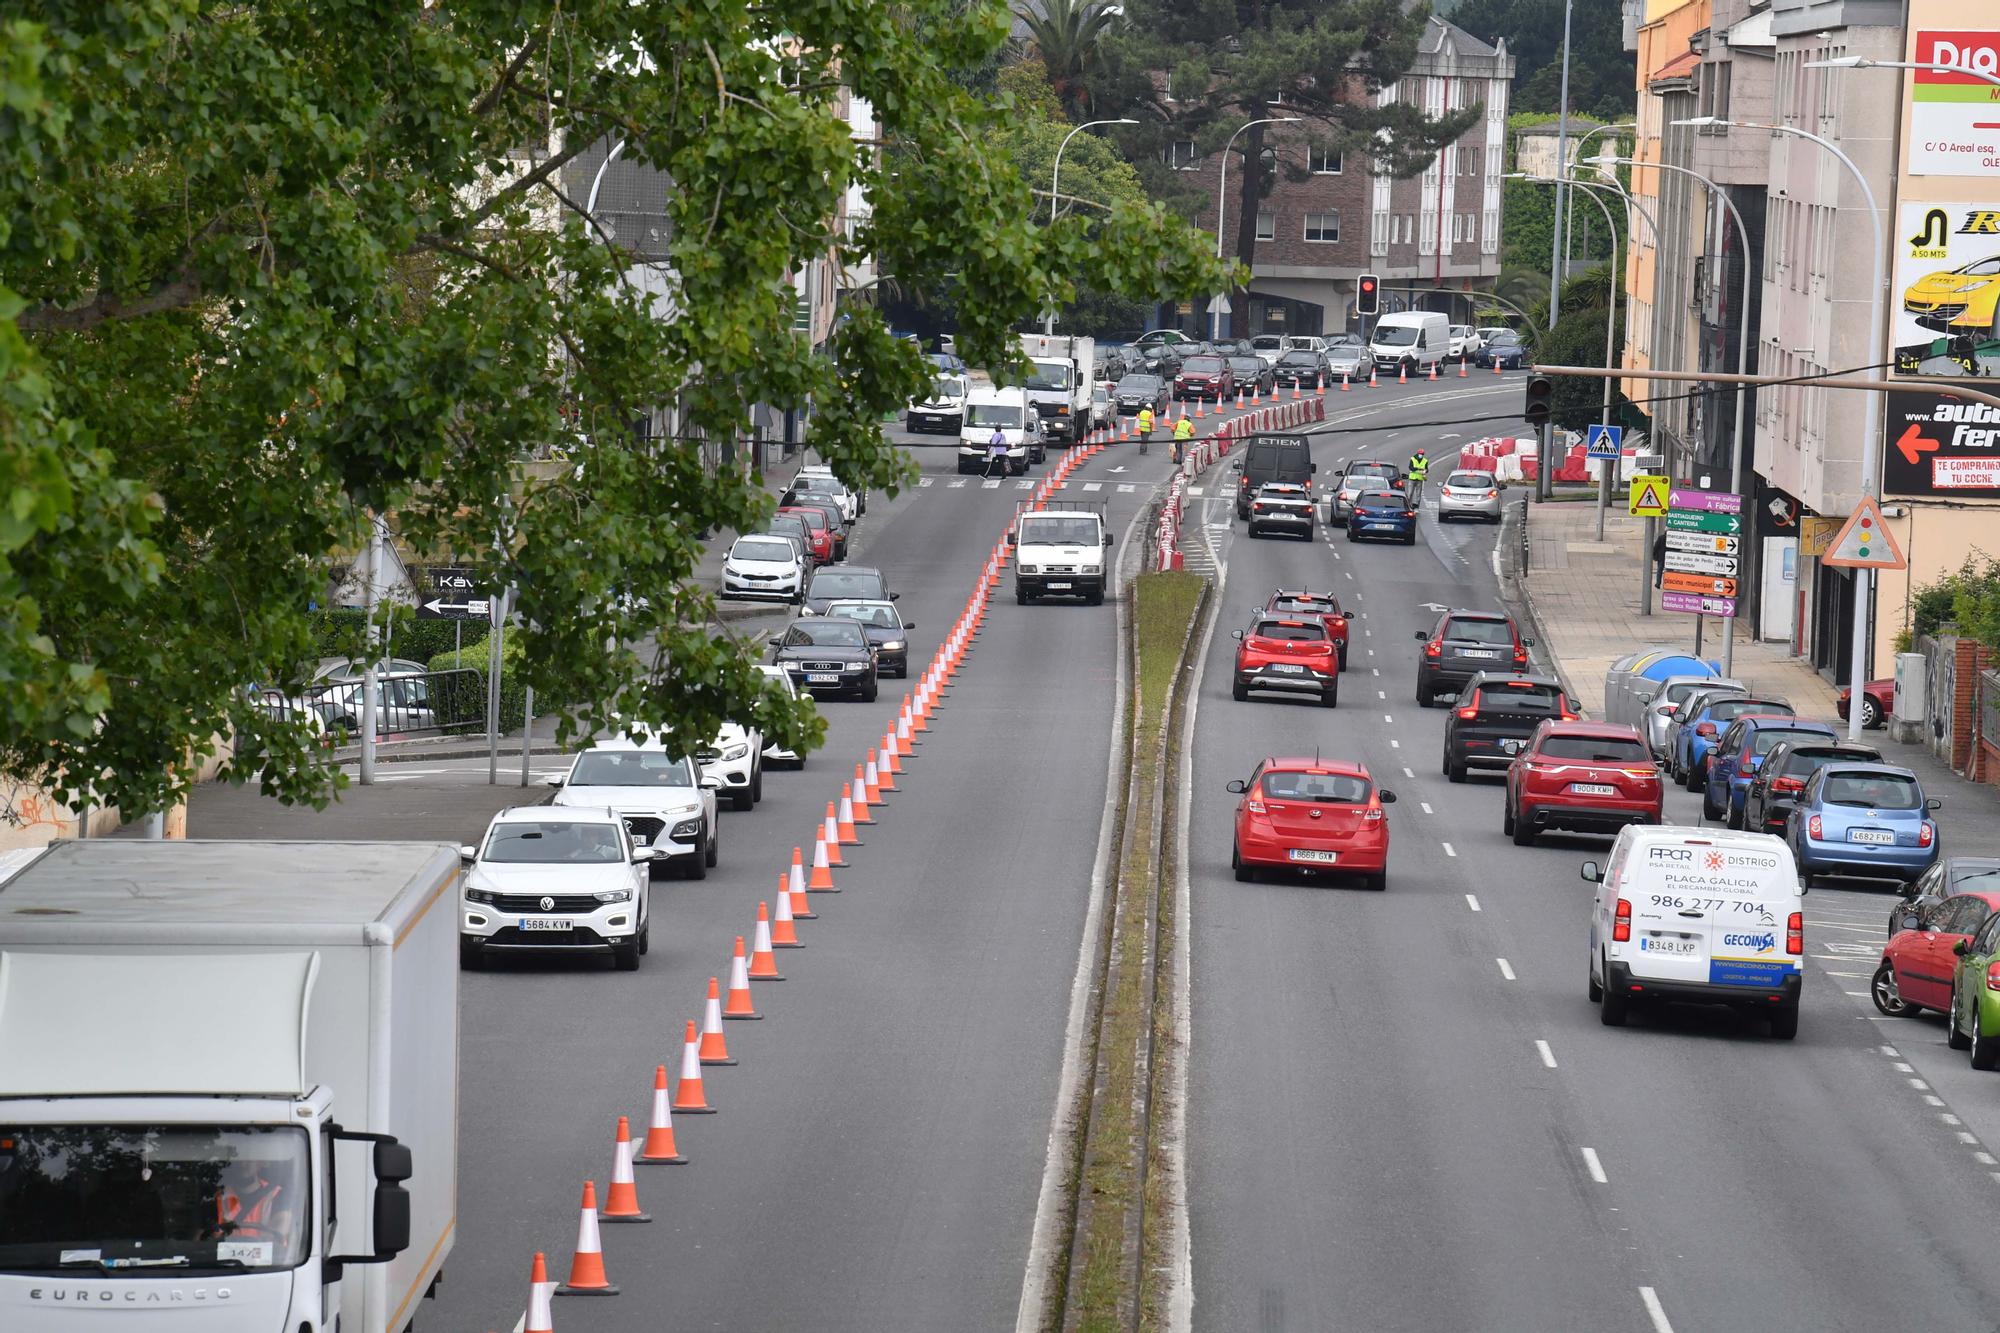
1703	556
1649	496
1603	441
1694	604
453	596
1702	542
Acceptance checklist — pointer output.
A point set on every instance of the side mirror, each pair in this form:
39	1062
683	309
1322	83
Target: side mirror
1238	786
1106	541
1010	537
1527	643
711	784
467	852
1347	615
1236	634
1386	796
1933	804
895	597
909	624
644	854
556	783
1958	949
1420	636
1591	874
1312	467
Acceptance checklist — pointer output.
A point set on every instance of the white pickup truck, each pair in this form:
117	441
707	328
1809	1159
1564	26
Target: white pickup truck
1061	549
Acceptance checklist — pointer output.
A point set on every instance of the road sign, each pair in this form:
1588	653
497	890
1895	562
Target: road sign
1703	542
1816	535
1649	497
1713	502
1603	441
1691	562
1697	605
1684	520
1218	304
1701	585
455	596
1864	542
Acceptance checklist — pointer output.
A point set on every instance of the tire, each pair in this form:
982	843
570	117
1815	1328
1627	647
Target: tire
1239	691
1507	818
471	955
1244	874
871	691
1454	772
742	800
625	957
1613	1008
1423	695
1785	1021
1696	779
1343	655
1734	817
1411	540
1524	830
1375	880
1020	595
1096	597
714	852
1709	809
1592	988
1331	699
1985	1051
646	936
1888	999
1871	715
756	783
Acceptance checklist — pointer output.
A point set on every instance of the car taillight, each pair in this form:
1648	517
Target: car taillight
1812	827
1795	933
1705	729
1409	513
1621	922
1372	813
1254	806
1489	495
1787	785
1471	710
1434	648
1258	507
1926	834
1520	656
1641	773
1569	716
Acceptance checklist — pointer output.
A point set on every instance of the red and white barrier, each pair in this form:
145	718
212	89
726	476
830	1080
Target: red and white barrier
1198	454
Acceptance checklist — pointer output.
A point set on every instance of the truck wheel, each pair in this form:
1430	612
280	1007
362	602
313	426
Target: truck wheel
471	955
1097	595
625	957
1020	595
1785	1021
1612	1008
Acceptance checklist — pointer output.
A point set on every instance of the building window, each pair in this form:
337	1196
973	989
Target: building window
1323	161
1181	155
1322	227
1267	226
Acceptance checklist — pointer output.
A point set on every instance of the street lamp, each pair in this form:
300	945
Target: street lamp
1055	193
1934	66
1221	184
1871	441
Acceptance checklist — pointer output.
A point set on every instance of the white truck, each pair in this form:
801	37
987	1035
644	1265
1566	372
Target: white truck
1008	411
1061	549
1061	370
228	1085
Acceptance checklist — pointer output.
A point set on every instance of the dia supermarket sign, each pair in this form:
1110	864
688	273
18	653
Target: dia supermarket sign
1954	125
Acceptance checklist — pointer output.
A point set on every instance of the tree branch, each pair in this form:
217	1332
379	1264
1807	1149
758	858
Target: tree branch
513	190
491	98
182	289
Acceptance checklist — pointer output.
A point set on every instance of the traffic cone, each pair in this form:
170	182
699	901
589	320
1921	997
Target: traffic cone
795	889
538	1318
784	935
763	964
845	823
739	1006
586	1268
1434	372
659	1149
822	872
1403	373
1462	371
714	1047
1345	385
1496	366
905	746
1296	395
1197	409
1239	398
621	1200
688	1096
830	835
891	764
1319	385
862	819
874	782
1371	377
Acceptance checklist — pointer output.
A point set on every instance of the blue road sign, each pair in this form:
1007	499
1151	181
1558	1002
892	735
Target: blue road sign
1603	441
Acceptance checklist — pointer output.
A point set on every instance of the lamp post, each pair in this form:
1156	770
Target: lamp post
1871	437
1221	195
1934	66
1055	193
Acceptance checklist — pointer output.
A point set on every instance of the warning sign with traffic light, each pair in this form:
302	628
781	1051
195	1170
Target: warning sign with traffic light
1865	543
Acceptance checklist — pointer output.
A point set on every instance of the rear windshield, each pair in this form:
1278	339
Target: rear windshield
1480	631
1594	749
1801	762
1483	480
812	518
1296	631
1328	788
1520	697
1679	691
1767	738
1731	709
1374	470
1311	606
1872	791
836	583
1375	493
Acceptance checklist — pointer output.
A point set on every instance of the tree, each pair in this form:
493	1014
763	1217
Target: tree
1602	73
280	272
1578	340
1202	71
1067	37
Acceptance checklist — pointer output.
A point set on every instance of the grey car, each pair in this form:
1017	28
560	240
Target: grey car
1656	723
1469	495
1347	356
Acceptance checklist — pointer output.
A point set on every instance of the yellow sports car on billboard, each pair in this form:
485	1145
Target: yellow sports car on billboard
1961	300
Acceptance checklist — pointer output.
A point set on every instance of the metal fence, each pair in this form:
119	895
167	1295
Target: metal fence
406	703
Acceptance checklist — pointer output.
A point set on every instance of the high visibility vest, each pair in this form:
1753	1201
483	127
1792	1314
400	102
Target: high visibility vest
1184	429
1145	418
240	1212
1418	467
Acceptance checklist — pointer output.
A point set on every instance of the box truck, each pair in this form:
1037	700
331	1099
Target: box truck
228	1085
1061	370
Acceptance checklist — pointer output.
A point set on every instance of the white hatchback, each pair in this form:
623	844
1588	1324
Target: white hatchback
547	879
764	565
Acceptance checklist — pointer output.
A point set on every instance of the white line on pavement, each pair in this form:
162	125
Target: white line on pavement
1448	849
1548	1056
1889	1051
1395	744
1967	1137
1425	806
1093	485
1920	1085
1472	901
1983	1158
925	481
1381	694
990	484
1408	774
1929	1100
955	485
1596	1167
1387	717
1126	487
1506	968
1654	1310
1945	1116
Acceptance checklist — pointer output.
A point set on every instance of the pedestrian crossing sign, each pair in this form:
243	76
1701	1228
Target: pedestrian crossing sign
1864	542
1603	441
1650	496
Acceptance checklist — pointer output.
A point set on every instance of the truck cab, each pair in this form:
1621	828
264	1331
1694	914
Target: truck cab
1061	370
1061	549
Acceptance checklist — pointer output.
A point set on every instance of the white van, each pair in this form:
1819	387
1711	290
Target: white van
1412	341
1007	410
1700	915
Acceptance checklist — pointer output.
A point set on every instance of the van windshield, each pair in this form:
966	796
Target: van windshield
993	414
1396	335
1048	375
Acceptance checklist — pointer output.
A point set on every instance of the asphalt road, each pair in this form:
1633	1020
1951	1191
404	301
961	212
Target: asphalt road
1404	1113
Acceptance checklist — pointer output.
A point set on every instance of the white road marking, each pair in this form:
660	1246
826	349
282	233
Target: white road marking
1448	849
925	481
1902	1068
1983	1158
1093	485
1408	774
1348	572
1950	1119
1857	994
1928	1100
1920	1085
1590	1160
1425	806
1381	694
1506	968
955	485
1196	490
1967	1137
1395	744
1374	671
1654	1310
1388	717
1025	485
1548	1056
1126	488
1472	901
990	484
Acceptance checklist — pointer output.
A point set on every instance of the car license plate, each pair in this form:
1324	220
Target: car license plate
1659	944
1479	652
1593	789
1058	587
1289	669
1879	836
641	840
1314	855
1511	744
822	678
546	923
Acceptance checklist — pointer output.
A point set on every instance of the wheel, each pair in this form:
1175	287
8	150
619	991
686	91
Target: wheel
1709	809
1239	691
1697	777
1612	1007
625	957
1507	818
1375	880
1734	818
1805	876
714	852
1244	874
1595	991
1454	771
1411	538
742	800
1985	1050
646	937
1888	998
1423	695
1331	699
757	783
1871	712
1096	597
1351	537
871	691
1343	654
1524	830
1785	1021
1020	595
471	955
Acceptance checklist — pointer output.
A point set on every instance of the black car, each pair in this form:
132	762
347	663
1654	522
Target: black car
1251	373
1137	391
888	633
1783	775
1495	716
1305	369
1464	644
848	583
1503	349
1948	877
827	656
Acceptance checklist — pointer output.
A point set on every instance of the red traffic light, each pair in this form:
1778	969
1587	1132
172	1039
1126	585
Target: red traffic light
1367	298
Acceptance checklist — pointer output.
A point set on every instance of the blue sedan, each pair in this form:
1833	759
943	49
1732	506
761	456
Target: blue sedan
1383	513
1698	732
1867	820
1740	753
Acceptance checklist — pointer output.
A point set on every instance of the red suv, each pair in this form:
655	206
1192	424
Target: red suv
1314	815
1322	604
1204	377
1291	654
1584	777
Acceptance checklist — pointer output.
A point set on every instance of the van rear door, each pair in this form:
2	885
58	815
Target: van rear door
1710	911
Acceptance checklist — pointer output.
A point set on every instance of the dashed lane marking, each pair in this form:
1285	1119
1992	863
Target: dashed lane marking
1093	485
1655	1311
1127	487
1448	851
958	484
1425	806
1472	901
1026	485
1548	1056
990	484
925	481
1408	774
1596	1167
1506	968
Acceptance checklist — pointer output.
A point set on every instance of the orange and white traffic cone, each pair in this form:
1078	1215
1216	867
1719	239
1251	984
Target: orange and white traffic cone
1371	377
822	872
784	935
873	781
1198	410
1296	395
1319	383
714	1046
1346	383
905	745
892	762
1496	365
688	1096
739	1006
621	1200
586	1267
1403	373
1434	372
538	1319
763	964
659	1149
1462	371
795	889
829	834
844	824
862	818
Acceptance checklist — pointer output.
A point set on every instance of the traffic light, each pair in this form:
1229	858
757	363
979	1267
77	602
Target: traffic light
1541	400
1368	295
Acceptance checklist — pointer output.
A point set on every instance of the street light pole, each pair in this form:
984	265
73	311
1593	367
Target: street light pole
1055	193
1221	196
1935	67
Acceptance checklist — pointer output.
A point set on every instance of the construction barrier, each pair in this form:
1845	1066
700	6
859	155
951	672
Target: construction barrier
1199	454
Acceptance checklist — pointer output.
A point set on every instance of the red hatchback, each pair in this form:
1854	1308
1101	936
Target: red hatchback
1584	777
818	531
1312	815
1917	965
1324	605
1287	653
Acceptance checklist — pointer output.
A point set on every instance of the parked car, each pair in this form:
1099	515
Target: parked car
1290	654
780	680
1503	348
1469	495
1782	776
1878	703
557	879
1494	718
1204	377
1582	777
855	581
942	409
885	627
826	656
1464	342
1465	644
662	798
1377	510
1269	347
1139	391
1917	966
1162	338
1869	821
1657	719
763	567
820	472
1948	876
403	702
821	530
818	485
1281	506
1972	1023
1306	371
1701	730
1323	605
1683	717
1347	357
1314	815
1253	375
1737	756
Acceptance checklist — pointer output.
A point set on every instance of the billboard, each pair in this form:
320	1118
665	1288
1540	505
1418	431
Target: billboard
1947	289
1954	127
1939	446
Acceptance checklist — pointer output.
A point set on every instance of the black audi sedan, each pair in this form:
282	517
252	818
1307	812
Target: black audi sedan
827	656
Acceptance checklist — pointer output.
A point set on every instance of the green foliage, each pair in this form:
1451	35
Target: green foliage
1578	340
1968	597
460	701
1066	37
284	265
1602	74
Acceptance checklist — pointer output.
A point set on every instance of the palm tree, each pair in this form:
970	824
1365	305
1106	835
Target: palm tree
1066	34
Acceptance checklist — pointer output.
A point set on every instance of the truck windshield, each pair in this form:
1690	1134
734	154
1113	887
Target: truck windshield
1048	375
993	414
153	1197
1396	335
1059	532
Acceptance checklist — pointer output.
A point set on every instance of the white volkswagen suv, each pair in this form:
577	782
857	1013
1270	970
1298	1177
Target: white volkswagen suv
665	802
555	880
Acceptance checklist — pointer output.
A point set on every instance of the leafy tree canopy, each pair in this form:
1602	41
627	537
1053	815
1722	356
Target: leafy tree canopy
266	270
1602	73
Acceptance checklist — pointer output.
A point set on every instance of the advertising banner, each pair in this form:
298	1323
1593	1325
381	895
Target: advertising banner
1939	446
1954	125
1947	289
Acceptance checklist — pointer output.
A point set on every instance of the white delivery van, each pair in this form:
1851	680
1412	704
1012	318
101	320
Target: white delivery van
1061	549
1701	915
1008	411
228	1085
1412	341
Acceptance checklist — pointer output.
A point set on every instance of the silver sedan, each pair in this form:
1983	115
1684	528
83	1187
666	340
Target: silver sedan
1469	495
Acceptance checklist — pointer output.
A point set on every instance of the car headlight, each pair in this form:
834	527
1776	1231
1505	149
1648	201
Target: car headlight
1093	569
734	753
1031	569
1969	287
687	828
478	896
614	896
894	646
